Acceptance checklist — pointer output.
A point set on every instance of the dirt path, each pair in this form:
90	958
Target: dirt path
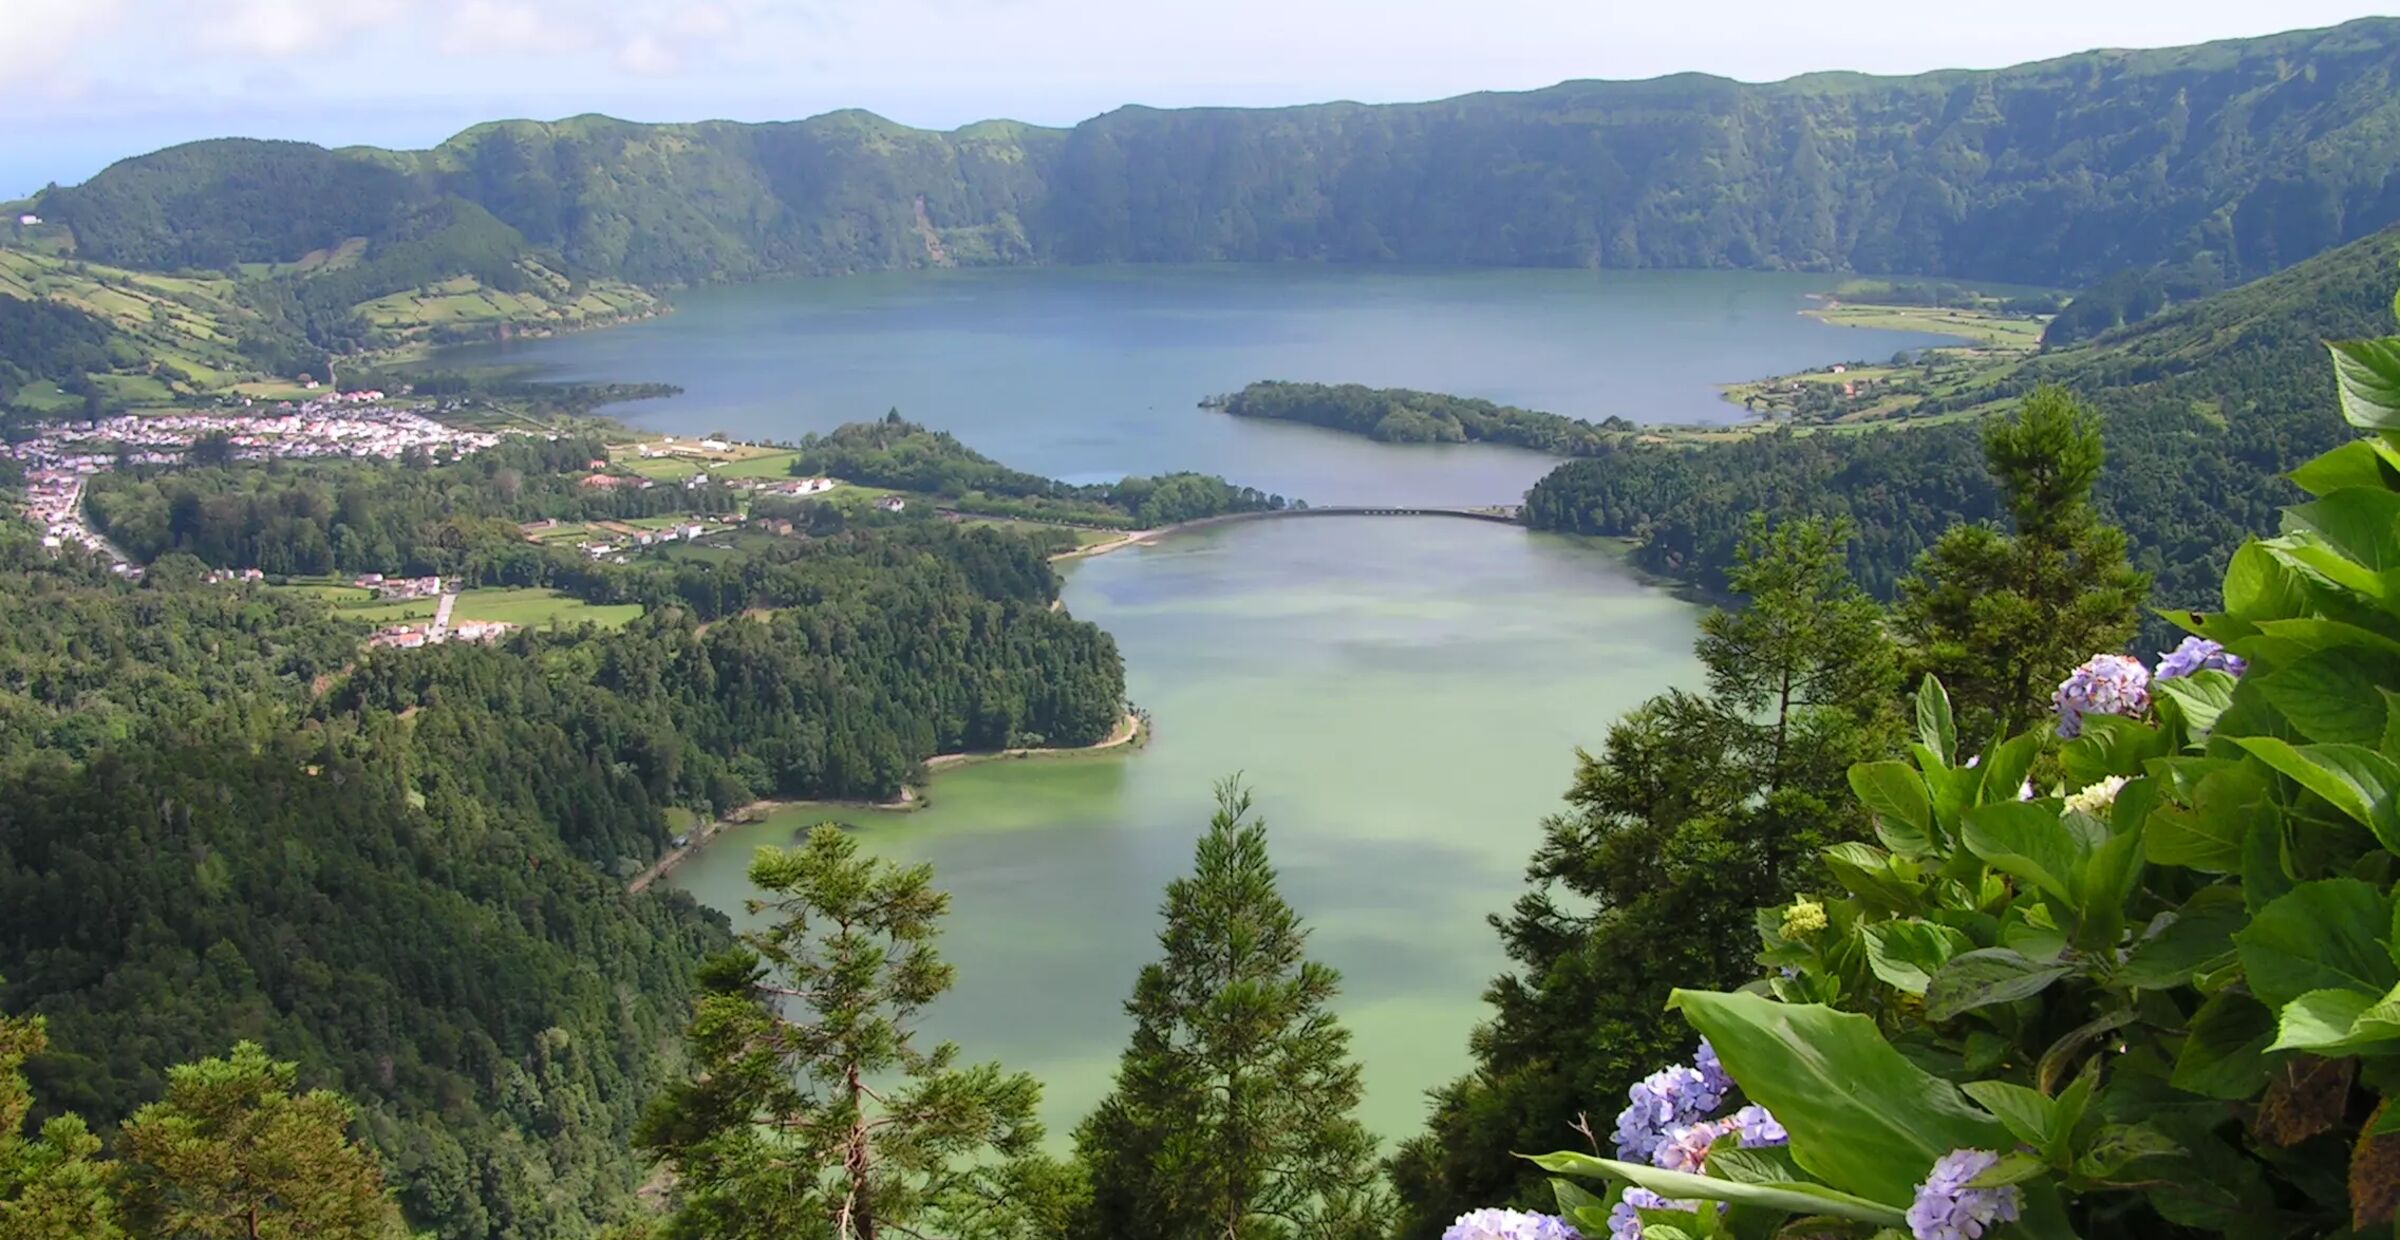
1121	540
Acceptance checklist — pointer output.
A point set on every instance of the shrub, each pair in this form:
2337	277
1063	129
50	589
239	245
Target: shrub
2159	994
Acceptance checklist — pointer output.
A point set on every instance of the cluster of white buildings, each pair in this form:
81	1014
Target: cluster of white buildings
54	501
400	587
412	636
344	424
348	424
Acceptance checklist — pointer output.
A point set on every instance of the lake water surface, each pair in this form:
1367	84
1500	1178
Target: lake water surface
1404	695
1090	374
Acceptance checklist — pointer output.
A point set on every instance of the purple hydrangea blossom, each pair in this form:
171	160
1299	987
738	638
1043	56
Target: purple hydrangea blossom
1758	1128
1686	1148
2106	684
1513	1225
2197	654
1664	1100
1947	1209
1712	1071
1623	1223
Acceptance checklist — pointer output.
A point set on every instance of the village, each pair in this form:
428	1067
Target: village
60	459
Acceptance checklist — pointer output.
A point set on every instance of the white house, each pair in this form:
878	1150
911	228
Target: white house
29	220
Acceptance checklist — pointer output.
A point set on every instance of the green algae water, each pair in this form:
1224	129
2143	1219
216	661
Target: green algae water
1405	697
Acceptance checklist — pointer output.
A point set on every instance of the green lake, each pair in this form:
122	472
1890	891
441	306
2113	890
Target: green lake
1405	695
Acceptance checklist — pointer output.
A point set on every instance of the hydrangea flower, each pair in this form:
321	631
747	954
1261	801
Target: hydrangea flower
2198	654
1712	1071
1666	1099
1947	1209
1623	1223
2106	684
1758	1128
2094	799
1514	1225
1802	919
1685	1149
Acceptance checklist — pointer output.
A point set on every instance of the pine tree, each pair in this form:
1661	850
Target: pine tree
1805	677
232	1153
1696	812
2002	618
53	1186
813	1111
1232	1116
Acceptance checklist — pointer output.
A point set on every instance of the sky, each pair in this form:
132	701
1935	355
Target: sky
83	82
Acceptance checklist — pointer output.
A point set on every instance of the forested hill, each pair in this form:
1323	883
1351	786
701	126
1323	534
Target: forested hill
2248	155
2207	406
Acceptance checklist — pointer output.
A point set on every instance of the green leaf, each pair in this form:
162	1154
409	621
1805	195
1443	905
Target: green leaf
1810	1065
2186	941
1769	1165
2355	780
1795	1198
2028	840
2325	935
1895	794
2112	745
2108	879
2224	1054
1573	1200
2030	1117
2260	587
1982	978
1936	730
2359	463
2368	373
2004	765
2325	1022
1906	954
2361	523
2208	834
2012	1169
1866	872
2331	695
2196	699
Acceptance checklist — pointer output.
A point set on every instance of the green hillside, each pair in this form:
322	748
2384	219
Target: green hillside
2206	406
447	273
2246	155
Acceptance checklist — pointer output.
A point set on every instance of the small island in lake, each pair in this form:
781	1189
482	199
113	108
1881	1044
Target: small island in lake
1402	415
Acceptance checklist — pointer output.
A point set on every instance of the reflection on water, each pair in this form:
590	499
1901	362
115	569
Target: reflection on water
1404	694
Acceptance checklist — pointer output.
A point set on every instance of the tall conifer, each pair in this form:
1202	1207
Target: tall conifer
1232	1116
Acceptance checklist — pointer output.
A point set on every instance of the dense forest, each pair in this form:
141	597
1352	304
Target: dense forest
49	343
2208	404
460	957
897	453
1399	415
456	518
2249	155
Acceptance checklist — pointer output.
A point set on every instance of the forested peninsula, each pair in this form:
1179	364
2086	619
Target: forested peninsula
1401	415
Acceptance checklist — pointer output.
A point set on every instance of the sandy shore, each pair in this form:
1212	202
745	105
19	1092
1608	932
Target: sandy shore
1131	729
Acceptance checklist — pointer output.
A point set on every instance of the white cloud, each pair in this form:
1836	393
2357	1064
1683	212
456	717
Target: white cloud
38	34
648	55
282	28
486	27
703	21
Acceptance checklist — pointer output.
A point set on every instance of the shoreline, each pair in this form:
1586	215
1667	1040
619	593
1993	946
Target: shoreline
1133	729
